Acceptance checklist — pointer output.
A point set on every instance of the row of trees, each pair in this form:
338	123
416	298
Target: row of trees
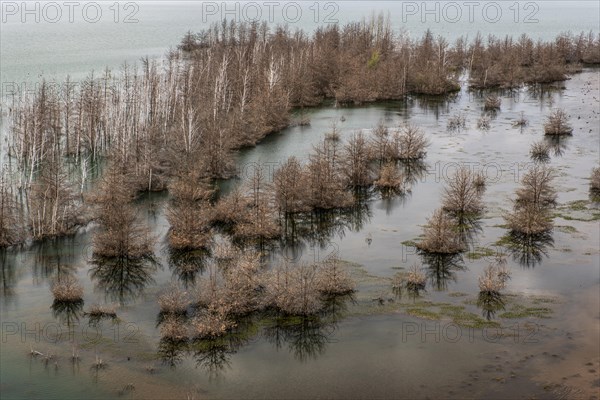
228	87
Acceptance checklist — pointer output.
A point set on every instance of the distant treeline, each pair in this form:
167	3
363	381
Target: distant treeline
176	123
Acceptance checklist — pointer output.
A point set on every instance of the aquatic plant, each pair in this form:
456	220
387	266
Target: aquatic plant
557	123
67	289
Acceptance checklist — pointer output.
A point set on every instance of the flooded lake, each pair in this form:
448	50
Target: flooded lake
380	344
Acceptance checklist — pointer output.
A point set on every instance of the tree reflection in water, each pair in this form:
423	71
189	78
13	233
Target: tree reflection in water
528	250
558	144
441	268
67	312
123	279
490	303
306	336
172	351
187	265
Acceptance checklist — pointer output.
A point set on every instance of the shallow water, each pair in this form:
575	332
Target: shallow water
374	351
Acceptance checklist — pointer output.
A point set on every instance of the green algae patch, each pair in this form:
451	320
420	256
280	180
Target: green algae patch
423	313
517	311
578	210
410	243
481	252
566	229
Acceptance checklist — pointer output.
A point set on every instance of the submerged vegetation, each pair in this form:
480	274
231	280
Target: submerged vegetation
67	289
177	127
558	123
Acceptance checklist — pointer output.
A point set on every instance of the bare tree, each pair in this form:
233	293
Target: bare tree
441	235
461	195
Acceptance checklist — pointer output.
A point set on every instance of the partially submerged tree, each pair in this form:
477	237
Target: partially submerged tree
356	162
190	213
390	178
536	187
413	143
293	290
54	209
558	123
530	220
67	289
441	235
11	226
492	103
333	279
540	151
595	181
462	196
121	234
290	186
536	195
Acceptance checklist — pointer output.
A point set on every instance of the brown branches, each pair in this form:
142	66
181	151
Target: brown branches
536	195
54	209
462	196
121	234
558	123
11	224
67	289
441	235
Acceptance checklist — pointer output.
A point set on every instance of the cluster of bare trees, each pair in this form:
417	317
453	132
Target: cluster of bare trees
535	197
506	62
238	285
449	229
121	234
11	228
178	122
